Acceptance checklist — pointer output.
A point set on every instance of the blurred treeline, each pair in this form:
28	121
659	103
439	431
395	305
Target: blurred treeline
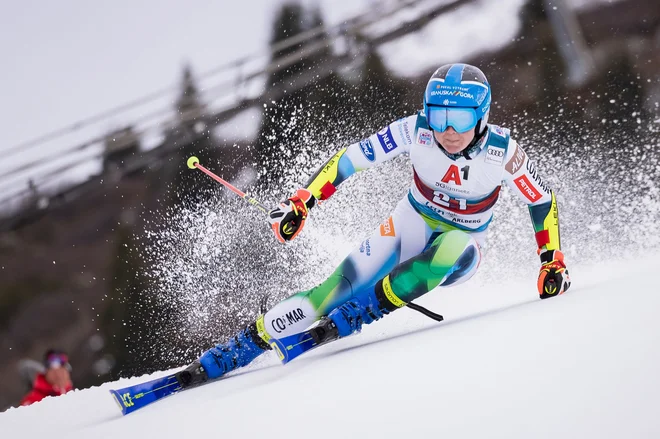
76	278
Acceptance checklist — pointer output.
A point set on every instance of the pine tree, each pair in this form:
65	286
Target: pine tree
277	125
289	124
189	104
323	96
381	95
190	135
551	66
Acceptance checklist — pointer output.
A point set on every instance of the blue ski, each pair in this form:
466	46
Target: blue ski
140	395
288	348
135	397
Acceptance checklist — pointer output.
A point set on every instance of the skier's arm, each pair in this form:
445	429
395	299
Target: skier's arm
288	218
391	141
522	177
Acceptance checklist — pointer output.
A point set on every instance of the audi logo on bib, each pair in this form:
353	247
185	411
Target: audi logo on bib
495	155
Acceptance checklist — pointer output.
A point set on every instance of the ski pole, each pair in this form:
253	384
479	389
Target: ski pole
193	162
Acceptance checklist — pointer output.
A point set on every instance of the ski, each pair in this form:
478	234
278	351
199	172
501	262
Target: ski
292	346
135	397
140	395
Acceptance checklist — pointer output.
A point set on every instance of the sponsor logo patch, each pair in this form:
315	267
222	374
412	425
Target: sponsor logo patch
451	87
500	131
404	131
387	228
386	140
527	188
494	155
365	247
453	175
516	161
368	149
531	168
279	324
452	93
424	137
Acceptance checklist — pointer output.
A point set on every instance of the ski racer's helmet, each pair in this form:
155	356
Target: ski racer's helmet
457	96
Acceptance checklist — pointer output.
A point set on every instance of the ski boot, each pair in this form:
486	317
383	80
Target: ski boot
369	305
192	375
239	351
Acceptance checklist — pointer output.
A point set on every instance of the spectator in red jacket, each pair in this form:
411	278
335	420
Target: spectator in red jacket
55	381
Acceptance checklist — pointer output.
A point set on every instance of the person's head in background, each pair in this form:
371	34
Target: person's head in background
58	369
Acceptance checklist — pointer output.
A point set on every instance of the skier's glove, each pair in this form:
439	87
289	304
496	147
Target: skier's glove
553	276
288	218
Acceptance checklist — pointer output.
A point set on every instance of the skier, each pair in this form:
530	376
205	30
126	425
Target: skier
435	233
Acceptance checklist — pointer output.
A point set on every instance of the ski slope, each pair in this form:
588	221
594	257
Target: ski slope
503	364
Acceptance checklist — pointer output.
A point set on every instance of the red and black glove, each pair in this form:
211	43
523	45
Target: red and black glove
288	218
553	276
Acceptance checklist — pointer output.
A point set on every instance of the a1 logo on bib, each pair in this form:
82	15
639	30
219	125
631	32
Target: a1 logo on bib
494	155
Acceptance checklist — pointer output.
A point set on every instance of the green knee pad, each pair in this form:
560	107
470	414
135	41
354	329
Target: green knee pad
452	253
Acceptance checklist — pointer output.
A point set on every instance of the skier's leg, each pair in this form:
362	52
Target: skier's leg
401	236
397	239
452	258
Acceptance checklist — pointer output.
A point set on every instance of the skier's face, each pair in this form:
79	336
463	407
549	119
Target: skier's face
452	141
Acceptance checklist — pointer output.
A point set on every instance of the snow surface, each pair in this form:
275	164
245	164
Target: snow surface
503	364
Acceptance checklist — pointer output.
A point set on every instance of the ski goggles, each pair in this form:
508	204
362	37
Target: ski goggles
460	118
55	361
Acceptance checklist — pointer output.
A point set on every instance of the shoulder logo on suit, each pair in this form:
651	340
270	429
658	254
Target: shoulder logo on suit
367	149
500	131
424	137
386	140
404	131
516	161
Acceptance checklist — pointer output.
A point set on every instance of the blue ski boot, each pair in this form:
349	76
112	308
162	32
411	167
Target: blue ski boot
239	351
362	310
